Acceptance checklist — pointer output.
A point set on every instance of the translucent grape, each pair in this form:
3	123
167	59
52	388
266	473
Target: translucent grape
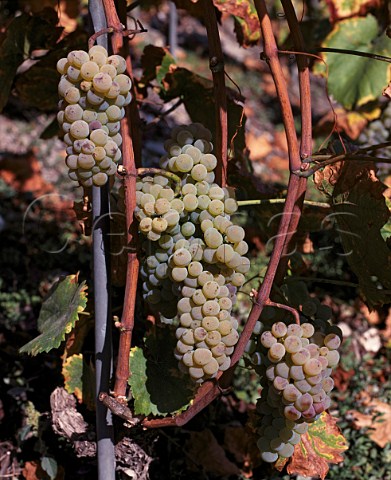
301	356
279	329
292	344
276	352
216	207
331	341
268	339
179	274
211	289
79	129
235	234
312	367
182	257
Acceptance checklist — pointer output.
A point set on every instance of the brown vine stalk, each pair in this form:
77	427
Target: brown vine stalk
296	189
216	63
129	163
306	132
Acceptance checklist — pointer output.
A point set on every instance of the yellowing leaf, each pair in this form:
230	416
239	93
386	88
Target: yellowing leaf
79	379
356	80
59	313
321	445
349	8
247	23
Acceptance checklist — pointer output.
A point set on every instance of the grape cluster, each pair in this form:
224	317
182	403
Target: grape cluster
194	254
94	92
298	363
378	131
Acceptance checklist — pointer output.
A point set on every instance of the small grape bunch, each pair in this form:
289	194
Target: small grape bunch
298	366
94	91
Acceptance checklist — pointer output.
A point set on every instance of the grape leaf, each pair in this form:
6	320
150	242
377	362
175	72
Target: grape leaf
158	388
321	445
79	379
196	92
24	34
155	62
37	86
11	55
204	450
247	25
360	212
59	313
354	80
348	8
198	97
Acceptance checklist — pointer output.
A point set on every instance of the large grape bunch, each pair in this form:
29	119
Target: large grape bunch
94	91
298	361
195	259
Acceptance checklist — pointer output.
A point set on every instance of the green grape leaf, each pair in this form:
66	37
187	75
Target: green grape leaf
354	80
247	25
360	211
322	444
59	313
158	388
79	379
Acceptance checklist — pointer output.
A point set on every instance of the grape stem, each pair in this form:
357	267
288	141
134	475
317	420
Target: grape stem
292	310
370	148
345	157
164	173
126	33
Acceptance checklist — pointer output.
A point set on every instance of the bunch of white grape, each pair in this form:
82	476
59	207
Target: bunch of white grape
94	92
298	363
195	255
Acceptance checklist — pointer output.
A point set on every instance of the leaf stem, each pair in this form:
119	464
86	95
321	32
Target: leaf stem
269	201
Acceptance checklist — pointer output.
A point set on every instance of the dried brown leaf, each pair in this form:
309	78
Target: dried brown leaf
378	421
